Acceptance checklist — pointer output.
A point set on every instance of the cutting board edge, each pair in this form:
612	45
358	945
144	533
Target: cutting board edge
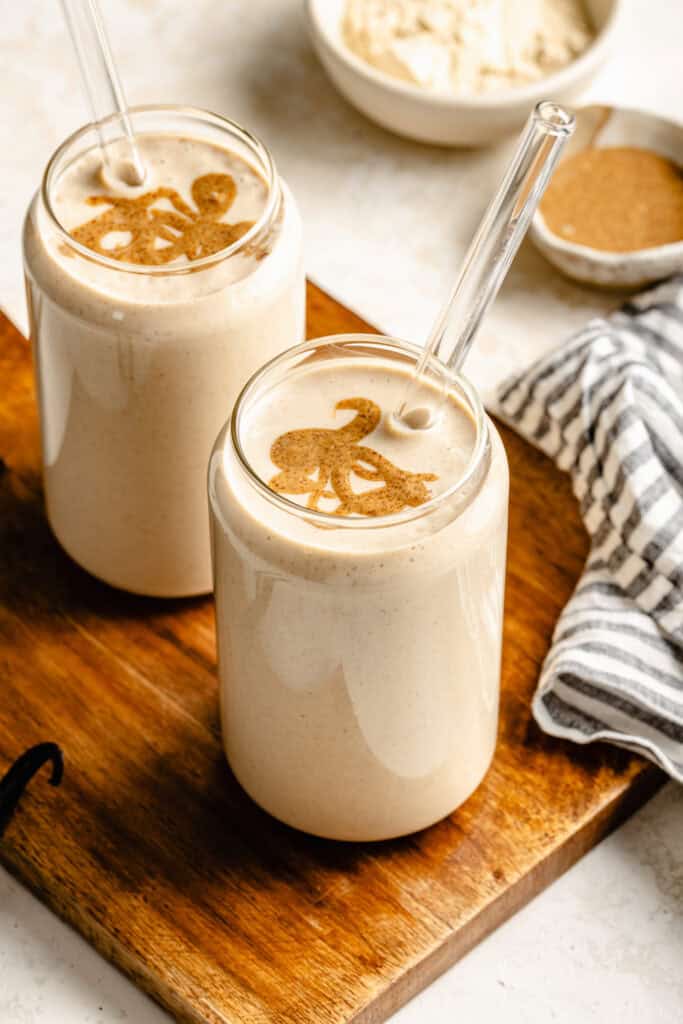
634	795
420	975
60	902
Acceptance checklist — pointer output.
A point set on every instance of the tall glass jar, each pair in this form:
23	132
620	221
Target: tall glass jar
359	658
137	366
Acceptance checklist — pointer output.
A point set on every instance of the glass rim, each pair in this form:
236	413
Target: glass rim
198	114
471	477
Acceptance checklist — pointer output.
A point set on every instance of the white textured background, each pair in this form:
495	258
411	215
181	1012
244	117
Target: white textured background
387	222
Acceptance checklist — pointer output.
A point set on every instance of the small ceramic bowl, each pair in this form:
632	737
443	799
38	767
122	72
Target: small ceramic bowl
598	126
442	118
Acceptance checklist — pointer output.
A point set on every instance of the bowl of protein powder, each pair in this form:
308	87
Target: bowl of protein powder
460	72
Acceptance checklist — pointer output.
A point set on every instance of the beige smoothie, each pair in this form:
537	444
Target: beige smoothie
150	307
359	574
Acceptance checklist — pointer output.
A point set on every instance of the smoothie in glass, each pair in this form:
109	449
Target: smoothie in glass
359	574
150	307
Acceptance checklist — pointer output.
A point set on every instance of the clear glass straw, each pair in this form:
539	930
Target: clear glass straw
105	93
491	252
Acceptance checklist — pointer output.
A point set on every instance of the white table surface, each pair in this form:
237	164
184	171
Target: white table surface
387	222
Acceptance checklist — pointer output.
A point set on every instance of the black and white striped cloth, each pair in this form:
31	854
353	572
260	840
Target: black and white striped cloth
608	408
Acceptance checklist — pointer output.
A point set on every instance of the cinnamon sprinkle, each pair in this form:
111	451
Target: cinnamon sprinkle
319	462
156	235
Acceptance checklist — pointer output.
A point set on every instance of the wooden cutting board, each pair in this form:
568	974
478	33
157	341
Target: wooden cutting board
152	851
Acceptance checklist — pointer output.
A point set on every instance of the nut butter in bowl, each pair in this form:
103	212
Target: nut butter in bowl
613	215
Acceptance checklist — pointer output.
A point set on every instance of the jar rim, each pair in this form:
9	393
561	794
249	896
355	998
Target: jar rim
198	114
465	487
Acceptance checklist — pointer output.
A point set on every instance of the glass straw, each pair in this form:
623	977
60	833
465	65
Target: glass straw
104	91
491	252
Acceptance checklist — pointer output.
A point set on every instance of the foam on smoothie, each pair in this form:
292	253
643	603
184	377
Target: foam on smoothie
325	440
197	200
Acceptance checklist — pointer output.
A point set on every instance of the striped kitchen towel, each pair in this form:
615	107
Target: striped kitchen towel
608	408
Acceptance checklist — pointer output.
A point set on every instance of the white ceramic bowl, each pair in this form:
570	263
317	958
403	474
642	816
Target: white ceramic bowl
440	117
615	126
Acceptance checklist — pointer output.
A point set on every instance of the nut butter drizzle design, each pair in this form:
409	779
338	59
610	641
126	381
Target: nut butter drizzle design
332	455
158	235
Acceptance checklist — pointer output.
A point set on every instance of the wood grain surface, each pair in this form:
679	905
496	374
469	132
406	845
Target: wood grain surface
152	851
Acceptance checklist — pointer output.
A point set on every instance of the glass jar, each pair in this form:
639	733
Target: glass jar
137	367
359	658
